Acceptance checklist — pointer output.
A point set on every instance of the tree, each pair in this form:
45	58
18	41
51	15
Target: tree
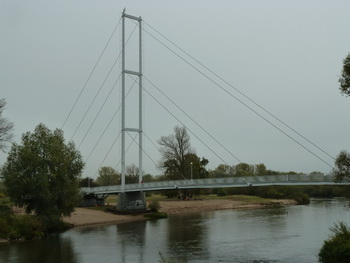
107	176
148	178
344	80
195	166
260	169
342	169
223	170
174	149
244	169
87	182
6	128
42	174
337	248
131	174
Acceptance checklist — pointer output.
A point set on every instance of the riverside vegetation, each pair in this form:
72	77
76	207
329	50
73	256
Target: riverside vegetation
20	227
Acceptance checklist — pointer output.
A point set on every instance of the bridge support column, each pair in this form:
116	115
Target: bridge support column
131	201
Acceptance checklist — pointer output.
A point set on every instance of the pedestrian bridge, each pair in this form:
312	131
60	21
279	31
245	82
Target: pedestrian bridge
266	180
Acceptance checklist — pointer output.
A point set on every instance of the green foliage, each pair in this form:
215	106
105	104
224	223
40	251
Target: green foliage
21	227
2	187
148	178
342	169
154	205
276	192
244	169
5	209
344	80
132	174
337	248
107	176
156	215
260	169
42	174
220	192
178	158
87	182
222	170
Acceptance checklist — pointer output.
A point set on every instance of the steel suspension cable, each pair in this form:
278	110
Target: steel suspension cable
183	124
240	101
98	113
240	92
115	114
88	79
109	150
99	90
200	126
133	139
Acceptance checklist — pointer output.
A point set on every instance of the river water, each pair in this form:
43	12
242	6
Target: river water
286	234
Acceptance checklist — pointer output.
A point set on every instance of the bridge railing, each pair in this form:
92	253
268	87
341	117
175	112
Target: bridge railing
288	179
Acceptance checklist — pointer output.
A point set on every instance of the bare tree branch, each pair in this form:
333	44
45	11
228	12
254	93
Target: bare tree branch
6	128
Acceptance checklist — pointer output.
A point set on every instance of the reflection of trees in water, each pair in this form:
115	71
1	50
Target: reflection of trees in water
132	236
51	249
268	215
187	237
91	229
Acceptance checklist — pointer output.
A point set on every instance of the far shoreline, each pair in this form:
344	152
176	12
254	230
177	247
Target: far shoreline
88	217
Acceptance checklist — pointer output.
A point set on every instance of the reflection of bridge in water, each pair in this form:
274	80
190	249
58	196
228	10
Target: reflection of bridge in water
253	181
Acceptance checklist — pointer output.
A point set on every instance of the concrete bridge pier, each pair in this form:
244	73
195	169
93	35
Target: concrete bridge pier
131	201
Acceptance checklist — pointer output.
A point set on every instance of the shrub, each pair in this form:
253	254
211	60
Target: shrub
5	209
337	248
220	192
154	205
26	227
301	198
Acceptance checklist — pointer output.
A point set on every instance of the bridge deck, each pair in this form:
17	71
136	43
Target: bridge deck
295	179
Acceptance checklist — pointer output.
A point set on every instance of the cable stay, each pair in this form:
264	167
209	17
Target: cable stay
99	90
240	92
109	150
143	150
109	123
201	127
98	113
162	105
237	99
92	71
127	149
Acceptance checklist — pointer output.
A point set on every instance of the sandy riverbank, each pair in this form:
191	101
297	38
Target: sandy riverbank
85	216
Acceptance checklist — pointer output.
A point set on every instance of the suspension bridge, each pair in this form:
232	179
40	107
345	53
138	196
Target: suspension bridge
129	193
99	193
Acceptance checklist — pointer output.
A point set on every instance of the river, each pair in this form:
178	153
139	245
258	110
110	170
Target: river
285	234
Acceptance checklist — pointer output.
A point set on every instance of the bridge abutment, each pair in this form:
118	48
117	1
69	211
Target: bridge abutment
131	201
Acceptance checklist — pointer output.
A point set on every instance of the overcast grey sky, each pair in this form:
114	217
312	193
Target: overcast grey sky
285	55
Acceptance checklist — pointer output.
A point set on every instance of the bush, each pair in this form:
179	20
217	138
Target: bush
5	209
26	227
154	205
220	192
301	198
21	227
337	248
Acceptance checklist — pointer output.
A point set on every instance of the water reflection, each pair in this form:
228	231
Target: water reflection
131	241
288	235
187	237
52	249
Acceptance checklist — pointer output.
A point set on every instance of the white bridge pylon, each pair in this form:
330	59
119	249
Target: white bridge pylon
125	72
